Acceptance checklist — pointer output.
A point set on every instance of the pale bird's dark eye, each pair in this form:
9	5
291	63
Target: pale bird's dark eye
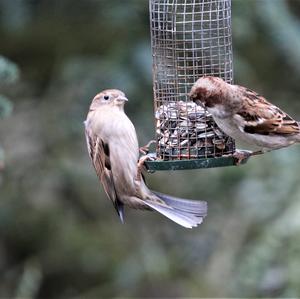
106	98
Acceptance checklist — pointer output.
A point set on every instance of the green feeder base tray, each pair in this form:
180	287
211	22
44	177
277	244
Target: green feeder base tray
191	164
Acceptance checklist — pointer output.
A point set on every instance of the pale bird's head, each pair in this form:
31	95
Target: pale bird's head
109	98
208	91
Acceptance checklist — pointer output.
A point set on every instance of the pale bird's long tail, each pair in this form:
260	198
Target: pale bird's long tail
188	213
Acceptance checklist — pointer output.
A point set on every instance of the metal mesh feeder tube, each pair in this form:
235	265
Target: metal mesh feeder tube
190	39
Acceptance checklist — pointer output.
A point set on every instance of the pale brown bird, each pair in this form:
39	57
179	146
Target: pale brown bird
113	148
245	115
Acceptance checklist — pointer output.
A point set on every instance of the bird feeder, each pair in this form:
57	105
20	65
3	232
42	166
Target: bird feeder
190	39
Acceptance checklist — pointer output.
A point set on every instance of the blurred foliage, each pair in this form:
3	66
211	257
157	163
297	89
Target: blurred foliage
9	73
5	107
59	235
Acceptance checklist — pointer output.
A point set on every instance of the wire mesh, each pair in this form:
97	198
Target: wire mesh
190	39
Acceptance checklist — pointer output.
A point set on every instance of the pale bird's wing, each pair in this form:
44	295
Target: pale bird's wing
99	154
264	118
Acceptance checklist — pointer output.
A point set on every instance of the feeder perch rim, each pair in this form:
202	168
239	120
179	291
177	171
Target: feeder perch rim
158	165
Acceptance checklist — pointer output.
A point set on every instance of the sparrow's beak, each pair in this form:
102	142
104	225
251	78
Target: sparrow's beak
121	99
193	97
199	103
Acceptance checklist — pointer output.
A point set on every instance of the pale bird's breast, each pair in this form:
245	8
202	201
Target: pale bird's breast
118	131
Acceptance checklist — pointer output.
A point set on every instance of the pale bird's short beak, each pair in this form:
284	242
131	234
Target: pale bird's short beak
121	99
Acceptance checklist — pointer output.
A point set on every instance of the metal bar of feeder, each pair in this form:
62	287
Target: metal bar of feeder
191	164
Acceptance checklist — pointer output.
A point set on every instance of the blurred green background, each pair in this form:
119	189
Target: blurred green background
59	235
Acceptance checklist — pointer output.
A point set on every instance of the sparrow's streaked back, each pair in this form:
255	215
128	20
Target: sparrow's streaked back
245	115
113	148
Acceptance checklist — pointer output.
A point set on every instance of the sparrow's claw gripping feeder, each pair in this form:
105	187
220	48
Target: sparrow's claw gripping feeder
190	39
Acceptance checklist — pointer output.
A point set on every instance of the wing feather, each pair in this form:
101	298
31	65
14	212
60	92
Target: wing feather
261	117
99	154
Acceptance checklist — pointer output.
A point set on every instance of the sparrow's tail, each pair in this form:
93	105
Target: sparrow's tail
188	213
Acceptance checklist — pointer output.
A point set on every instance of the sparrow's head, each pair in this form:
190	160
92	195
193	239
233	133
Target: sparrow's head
208	91
109	97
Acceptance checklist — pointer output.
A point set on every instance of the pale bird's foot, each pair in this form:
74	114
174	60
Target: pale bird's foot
141	164
145	149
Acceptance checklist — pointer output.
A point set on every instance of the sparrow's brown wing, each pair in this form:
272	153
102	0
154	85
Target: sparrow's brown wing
99	154
261	117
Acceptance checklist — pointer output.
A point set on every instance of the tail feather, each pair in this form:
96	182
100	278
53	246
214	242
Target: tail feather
190	206
187	213
180	218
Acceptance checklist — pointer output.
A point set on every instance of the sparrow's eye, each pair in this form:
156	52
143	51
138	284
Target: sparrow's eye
106	98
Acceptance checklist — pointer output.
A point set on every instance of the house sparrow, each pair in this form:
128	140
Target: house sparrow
113	148
245	115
